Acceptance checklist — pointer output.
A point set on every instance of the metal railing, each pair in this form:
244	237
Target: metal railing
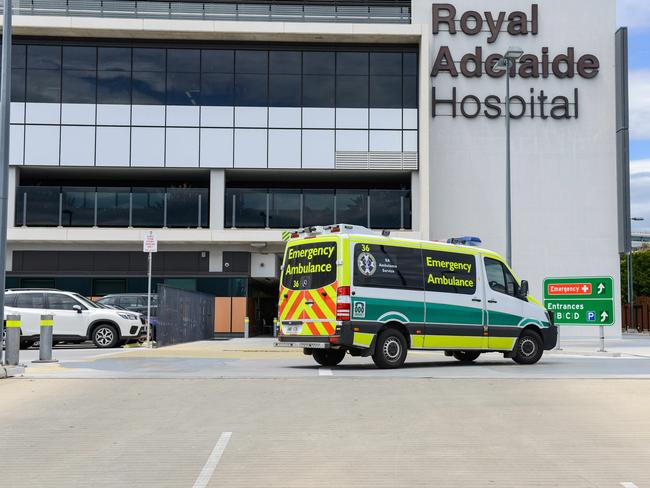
274	208
53	206
380	12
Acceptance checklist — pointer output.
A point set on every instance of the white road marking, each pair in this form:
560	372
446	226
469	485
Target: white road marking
628	484
211	464
325	372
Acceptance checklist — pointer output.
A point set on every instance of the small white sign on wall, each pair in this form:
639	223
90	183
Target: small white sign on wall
150	243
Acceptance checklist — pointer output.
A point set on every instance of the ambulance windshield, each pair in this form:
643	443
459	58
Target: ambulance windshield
309	266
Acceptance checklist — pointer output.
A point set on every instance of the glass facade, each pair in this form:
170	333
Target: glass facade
377	77
43	206
292	208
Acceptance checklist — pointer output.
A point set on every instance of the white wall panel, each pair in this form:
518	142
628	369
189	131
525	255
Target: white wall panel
284	148
77	146
410	118
78	113
16	144
318	149
147	146
17	113
42	144
318	118
43	113
113	114
410	138
352	118
285	117
148	115
385	140
183	116
217	116
113	146
251	117
217	148
352	140
250	148
386	118
182	147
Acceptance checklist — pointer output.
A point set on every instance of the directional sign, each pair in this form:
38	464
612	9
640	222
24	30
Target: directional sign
580	301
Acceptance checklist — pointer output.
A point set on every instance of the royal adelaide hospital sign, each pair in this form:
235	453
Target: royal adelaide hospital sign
545	64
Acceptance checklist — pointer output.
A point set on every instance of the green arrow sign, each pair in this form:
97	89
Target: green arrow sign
580	300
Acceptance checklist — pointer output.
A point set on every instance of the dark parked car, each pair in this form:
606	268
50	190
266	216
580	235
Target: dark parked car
135	302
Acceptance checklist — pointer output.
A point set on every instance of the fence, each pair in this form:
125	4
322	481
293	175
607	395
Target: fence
183	316
641	314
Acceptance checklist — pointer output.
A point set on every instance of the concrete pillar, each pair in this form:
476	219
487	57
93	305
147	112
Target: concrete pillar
215	264
416	204
11	196
217	198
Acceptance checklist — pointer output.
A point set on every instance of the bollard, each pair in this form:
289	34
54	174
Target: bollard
45	340
246	329
602	339
12	340
275	327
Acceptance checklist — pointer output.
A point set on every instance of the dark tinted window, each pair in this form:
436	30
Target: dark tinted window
30	300
410	92
410	64
284	91
44	57
251	62
318	63
352	91
251	90
217	89
387	266
10	300
43	85
184	60
77	57
385	91
113	87
449	272
147	59
183	88
213	61
114	59
496	278
285	62
351	63
130	302
57	301
309	266
386	64
17	85
18	56
79	86
318	91
148	88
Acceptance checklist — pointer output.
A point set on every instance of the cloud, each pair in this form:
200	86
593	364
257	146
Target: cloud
634	13
640	193
640	104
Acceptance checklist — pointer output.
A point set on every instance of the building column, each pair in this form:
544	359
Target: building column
217	198
425	170
416	224
11	196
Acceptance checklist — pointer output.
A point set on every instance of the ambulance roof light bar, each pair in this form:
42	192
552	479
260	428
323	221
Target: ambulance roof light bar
465	241
336	228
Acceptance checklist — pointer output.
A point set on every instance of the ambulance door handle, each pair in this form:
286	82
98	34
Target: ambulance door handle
492	301
476	300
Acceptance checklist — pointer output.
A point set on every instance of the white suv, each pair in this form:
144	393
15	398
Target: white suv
76	318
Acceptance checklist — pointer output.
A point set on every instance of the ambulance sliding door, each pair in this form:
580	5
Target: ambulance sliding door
454	301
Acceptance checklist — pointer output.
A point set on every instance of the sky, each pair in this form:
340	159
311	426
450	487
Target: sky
635	14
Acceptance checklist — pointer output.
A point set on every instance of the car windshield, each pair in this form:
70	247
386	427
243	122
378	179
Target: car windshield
90	303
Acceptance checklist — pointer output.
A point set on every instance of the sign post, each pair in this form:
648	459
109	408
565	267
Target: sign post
581	301
150	246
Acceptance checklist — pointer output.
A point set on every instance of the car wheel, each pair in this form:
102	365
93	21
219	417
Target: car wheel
105	336
329	357
466	356
391	350
529	348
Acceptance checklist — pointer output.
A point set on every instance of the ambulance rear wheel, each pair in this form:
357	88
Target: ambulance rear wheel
466	356
529	348
391	350
328	357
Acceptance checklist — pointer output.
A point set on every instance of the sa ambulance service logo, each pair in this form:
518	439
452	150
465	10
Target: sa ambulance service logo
367	264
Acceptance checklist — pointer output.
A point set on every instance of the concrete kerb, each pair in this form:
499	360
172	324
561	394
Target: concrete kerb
10	371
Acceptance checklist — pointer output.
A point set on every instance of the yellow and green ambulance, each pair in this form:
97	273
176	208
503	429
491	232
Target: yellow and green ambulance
345	288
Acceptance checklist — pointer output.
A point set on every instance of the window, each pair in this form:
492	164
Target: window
131	302
44	57
449	272
30	300
148	88
43	85
495	275
217	89
81	58
309	266
318	63
147	59
114	75
114	59
251	90
217	61
285	62
318	91
183	88
57	301
18	85
183	60
252	62
10	300
79	86
385	92
512	287
284	90
387	266
351	64
318	207
352	206
352	91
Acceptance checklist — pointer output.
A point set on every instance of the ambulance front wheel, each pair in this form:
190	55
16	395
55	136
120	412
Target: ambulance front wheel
329	357
529	348
391	349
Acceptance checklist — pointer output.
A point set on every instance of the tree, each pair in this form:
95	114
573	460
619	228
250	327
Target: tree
641	268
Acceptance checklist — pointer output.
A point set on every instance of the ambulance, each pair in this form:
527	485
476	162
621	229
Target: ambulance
347	289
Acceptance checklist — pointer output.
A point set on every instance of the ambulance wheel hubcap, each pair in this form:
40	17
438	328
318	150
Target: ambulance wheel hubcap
528	347
392	349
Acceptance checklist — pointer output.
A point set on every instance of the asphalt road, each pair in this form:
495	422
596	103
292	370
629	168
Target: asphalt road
325	432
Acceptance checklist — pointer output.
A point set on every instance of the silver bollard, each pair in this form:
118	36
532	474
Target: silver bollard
246	328
45	340
12	340
275	327
602	339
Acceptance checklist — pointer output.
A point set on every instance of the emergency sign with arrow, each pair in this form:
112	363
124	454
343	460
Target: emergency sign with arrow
580	300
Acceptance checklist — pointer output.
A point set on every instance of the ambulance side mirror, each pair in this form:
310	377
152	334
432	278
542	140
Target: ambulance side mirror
523	290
